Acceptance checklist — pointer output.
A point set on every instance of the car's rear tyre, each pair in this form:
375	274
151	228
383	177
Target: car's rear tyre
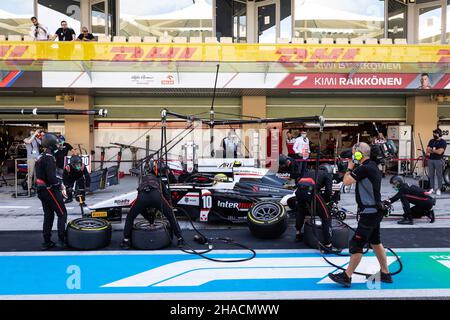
88	233
341	234
447	175
146	236
267	219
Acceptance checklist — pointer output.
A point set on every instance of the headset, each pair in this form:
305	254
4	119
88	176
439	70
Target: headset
358	155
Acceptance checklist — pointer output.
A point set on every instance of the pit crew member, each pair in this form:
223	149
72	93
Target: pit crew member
422	201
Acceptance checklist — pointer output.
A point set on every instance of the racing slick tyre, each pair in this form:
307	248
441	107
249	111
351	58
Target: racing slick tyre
88	233
447	175
147	236
267	220
341	234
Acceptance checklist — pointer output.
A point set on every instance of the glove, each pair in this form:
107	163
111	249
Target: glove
64	191
387	202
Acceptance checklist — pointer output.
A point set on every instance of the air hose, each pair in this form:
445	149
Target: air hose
204	239
338	253
210	241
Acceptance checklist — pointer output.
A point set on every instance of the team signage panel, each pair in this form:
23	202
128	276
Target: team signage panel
237	80
286	53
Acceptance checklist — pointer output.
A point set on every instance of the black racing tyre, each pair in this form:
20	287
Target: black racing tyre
146	236
88	233
267	220
341	234
447	175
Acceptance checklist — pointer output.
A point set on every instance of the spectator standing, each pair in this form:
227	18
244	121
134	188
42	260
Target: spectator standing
290	141
32	143
39	32
64	33
85	35
301	148
435	150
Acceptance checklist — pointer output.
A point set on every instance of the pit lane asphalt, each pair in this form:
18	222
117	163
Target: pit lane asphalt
21	223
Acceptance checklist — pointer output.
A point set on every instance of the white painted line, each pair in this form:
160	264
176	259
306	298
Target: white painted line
343	293
15	207
171	252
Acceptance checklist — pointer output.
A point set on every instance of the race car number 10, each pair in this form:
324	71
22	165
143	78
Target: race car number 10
207	202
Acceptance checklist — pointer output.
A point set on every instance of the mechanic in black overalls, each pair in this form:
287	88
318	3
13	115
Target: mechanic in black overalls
422	201
305	195
76	172
288	165
50	192
152	193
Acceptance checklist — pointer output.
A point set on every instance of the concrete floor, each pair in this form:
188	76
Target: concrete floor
26	213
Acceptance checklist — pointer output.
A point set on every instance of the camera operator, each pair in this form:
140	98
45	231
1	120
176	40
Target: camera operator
367	177
75	172
152	193
38	31
305	195
50	191
423	203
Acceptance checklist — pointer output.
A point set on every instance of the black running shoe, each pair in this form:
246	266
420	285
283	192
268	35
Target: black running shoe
324	249
384	277
299	237
126	244
68	200
61	244
341	278
431	216
405	221
48	245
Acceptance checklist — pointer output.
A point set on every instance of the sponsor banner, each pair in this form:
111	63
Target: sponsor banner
286	53
20	79
364	81
239	80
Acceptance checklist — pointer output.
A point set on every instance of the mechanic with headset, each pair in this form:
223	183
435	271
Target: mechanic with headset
371	210
288	165
422	201
152	193
76	171
435	151
50	191
305	195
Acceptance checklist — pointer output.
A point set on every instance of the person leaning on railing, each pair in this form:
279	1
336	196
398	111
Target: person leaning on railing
85	35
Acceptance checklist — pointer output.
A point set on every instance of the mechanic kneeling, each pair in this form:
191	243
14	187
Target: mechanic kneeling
152	193
305	195
50	191
422	201
76	172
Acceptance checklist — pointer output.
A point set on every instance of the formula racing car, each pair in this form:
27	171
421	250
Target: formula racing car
209	196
